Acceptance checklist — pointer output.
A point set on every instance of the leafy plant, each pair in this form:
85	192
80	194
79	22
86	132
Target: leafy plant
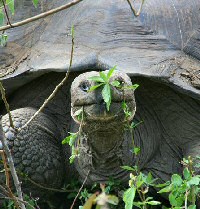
139	184
183	191
104	80
71	139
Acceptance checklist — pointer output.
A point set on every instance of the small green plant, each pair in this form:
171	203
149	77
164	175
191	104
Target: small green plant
130	125
183	191
104	80
139	184
73	137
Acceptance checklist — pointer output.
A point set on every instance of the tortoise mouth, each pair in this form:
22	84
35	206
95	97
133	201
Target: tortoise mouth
99	112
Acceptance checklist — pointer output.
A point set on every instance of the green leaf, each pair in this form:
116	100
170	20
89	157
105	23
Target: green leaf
125	167
153	202
162	185
135	86
11	5
66	140
97	79
3	39
112	199
138	204
92	88
78	112
186	173
106	94
72	158
136	150
192	207
35	3
139	184
166	189
69	139
110	72
115	83
176	180
172	200
149	178
185	161
128	197
194	180
72	139
104	77
134	125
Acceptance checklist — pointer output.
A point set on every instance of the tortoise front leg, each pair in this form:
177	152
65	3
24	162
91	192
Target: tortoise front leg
36	149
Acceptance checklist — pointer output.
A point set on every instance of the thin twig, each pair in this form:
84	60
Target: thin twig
80	190
42	15
11	195
3	94
52	95
6	168
12	168
136	14
7	16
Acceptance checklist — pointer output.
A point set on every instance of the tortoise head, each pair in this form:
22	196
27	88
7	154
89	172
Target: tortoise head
94	105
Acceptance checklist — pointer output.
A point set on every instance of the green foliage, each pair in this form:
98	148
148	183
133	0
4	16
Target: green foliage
3	39
104	80
31	203
35	3
71	141
128	197
183	191
139	184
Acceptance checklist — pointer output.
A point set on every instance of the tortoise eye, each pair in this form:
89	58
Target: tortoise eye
84	86
121	82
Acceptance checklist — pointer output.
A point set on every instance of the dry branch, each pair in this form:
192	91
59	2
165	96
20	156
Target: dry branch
79	191
3	156
3	94
42	15
12	168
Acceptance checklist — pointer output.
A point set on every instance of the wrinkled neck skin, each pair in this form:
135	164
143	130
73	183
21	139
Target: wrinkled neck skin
104	147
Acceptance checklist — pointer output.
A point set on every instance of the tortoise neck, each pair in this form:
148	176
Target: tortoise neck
104	148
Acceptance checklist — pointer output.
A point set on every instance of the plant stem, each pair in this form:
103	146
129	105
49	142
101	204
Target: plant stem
186	198
80	190
3	94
